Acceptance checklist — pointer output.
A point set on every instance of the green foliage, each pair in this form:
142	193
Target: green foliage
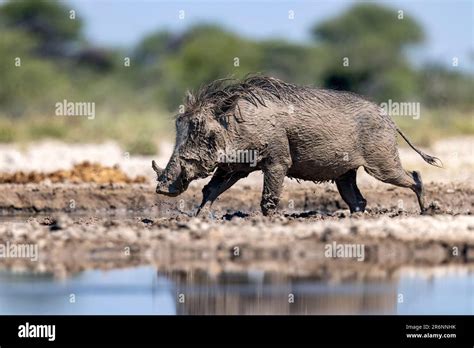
154	47
47	21
291	62
35	85
435	124
7	131
144	147
370	20
207	53
47	130
440	87
373	39
132	102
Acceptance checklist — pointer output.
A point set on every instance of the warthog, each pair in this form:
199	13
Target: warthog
300	132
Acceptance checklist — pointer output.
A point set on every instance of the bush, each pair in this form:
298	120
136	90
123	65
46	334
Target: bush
7	132
48	130
144	147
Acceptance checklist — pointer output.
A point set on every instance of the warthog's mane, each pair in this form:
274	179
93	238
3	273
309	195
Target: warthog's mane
223	94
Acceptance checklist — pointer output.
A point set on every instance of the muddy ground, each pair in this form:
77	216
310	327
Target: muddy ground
82	226
96	216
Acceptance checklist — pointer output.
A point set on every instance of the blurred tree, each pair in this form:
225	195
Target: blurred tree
48	22
57	64
154	47
200	55
98	59
210	53
371	40
28	83
366	20
302	64
441	87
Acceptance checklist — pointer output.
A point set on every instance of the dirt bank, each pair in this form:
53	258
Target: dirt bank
309	201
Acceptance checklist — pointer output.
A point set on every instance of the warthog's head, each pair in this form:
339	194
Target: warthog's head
208	125
199	138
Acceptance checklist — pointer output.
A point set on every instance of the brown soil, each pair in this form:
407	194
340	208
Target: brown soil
308	202
84	172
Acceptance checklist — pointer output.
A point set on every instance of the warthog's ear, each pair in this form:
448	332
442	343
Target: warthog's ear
226	105
226	108
190	99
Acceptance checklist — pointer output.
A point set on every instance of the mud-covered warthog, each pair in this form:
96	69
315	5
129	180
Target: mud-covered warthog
299	132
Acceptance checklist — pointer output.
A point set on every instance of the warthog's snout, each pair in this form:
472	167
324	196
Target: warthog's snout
168	185
164	188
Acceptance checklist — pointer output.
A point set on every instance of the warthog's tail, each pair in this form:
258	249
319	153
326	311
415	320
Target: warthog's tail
434	161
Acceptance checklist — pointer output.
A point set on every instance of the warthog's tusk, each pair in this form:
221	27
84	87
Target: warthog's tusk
155	167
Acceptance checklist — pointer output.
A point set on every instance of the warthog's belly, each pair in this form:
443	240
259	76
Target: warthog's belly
318	171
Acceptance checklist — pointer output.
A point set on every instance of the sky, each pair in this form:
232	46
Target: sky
448	24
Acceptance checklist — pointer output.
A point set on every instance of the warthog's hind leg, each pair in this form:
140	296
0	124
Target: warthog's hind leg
347	187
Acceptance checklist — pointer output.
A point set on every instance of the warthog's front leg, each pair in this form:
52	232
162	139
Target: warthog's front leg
272	187
220	182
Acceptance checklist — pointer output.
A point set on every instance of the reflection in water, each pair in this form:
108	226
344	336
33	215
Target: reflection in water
141	291
258	293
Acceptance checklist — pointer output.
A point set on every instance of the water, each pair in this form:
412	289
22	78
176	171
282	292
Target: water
143	291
